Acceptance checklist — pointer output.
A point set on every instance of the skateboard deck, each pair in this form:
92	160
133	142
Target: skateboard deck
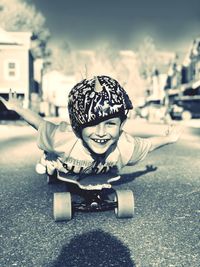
89	182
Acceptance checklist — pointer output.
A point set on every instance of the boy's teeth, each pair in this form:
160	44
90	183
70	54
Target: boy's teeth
100	140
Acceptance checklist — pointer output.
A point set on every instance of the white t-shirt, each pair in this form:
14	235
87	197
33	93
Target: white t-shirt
73	156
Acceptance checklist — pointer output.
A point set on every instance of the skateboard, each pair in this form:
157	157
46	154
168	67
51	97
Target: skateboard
91	193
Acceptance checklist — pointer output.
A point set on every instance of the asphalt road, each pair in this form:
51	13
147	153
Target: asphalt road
163	233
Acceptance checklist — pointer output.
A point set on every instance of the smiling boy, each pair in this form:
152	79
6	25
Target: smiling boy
102	136
95	142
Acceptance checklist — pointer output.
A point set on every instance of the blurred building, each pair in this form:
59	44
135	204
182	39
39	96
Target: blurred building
16	65
182	88
55	90
184	75
160	76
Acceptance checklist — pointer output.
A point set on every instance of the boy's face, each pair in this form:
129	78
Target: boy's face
101	136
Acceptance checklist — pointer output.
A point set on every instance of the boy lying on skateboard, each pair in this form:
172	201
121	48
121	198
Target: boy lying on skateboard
95	142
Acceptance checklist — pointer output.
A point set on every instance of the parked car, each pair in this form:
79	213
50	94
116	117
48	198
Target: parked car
6	114
154	110
186	108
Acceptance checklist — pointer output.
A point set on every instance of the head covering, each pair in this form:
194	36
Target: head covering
94	100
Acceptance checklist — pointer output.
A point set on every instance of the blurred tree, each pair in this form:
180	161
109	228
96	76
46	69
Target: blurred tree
18	15
148	62
63	59
106	59
121	65
147	57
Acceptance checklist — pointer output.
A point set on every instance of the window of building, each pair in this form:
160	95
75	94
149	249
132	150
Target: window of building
11	70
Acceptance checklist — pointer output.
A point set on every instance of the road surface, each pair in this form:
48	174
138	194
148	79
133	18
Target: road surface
163	233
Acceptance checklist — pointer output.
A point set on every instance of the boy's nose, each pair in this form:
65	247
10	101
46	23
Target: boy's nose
100	130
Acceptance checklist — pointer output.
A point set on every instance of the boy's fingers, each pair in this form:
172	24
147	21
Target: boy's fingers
10	94
169	129
174	129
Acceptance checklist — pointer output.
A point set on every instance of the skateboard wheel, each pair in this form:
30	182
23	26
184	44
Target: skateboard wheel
62	206
125	204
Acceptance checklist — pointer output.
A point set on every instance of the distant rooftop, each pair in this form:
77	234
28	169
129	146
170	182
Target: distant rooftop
15	38
7	38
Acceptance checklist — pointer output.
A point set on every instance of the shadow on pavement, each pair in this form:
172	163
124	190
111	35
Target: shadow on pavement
95	248
130	176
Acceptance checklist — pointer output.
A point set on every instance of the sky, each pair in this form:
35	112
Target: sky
173	24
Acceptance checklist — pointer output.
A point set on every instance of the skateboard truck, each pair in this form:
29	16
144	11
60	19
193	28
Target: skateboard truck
94	201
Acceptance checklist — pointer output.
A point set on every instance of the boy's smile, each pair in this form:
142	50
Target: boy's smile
101	136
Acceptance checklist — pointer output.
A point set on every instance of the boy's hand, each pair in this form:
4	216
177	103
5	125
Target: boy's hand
174	132
171	136
13	102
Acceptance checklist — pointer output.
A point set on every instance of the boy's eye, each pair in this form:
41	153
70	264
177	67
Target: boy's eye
111	123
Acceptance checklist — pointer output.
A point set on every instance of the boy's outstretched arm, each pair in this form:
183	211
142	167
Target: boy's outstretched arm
13	103
172	135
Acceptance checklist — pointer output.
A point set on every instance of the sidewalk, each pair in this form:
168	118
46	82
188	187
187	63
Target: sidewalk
14	129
